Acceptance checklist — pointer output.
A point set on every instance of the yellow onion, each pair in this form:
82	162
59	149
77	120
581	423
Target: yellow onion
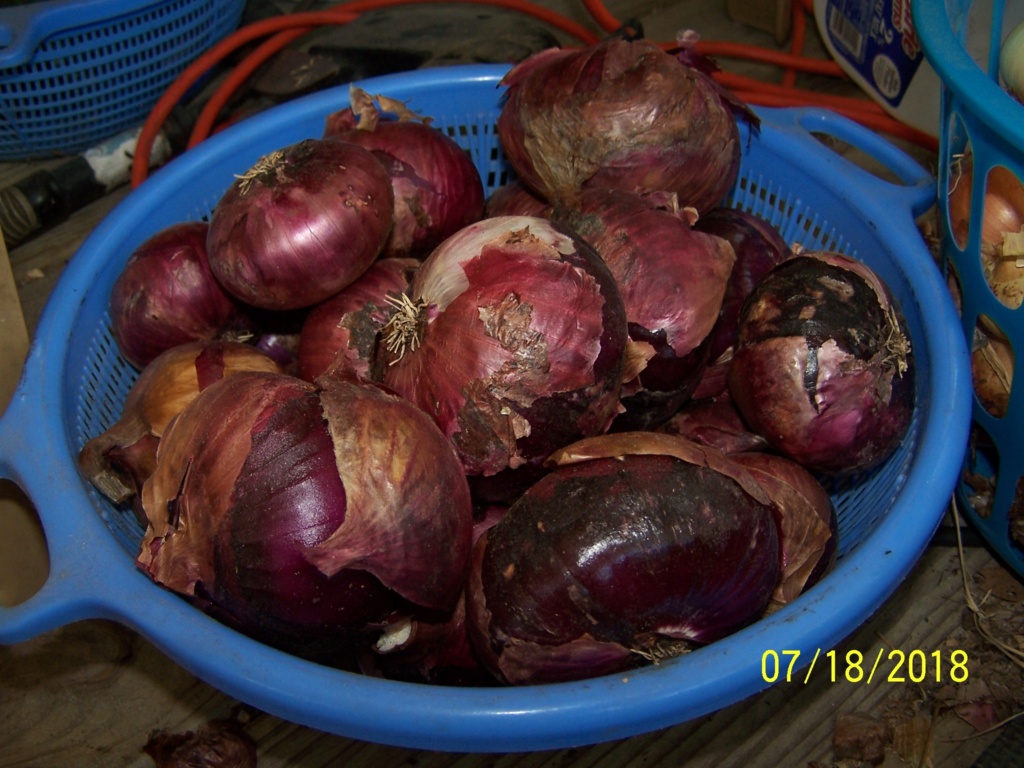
119	460
1003	207
992	364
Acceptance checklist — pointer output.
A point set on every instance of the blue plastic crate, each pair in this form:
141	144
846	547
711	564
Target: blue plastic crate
978	114
75	381
74	73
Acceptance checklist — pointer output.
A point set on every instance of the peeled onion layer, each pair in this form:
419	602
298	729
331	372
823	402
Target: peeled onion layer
621	115
301	513
635	546
437	188
823	367
167	294
673	280
301	224
513	342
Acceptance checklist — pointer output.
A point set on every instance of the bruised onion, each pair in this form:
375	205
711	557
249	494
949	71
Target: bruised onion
823	367
301	513
635	546
673	280
807	520
619	114
119	460
301	224
343	329
167	295
437	188
512	339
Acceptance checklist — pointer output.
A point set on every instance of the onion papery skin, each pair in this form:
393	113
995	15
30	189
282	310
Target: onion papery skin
807	519
343	330
622	115
300	514
120	459
715	422
301	224
167	295
672	279
434	649
630	550
823	367
521	336
437	188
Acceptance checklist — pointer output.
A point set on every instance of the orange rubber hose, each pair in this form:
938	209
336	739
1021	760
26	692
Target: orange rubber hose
204	124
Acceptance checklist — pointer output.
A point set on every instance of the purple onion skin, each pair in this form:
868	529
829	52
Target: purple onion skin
621	115
715	422
807	519
610	558
301	514
167	295
823	368
301	224
673	280
516	199
437	188
758	247
522	344
343	330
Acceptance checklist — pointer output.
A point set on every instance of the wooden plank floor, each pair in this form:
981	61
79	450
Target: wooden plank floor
89	695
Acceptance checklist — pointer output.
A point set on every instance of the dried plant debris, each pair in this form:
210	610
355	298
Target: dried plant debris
215	744
914	718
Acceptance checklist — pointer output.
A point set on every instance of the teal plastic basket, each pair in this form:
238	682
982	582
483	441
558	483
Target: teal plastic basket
74	73
75	382
978	114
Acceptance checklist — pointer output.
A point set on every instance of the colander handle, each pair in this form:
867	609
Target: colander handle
89	576
916	188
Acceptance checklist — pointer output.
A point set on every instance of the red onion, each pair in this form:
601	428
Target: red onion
715	422
516	199
301	224
620	114
672	278
215	744
301	513
119	460
512	340
823	368
343	329
438	650
758	247
167	295
437	188
635	546
807	519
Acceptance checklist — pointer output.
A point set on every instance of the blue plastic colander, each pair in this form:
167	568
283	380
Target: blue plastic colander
74	73
74	384
978	114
